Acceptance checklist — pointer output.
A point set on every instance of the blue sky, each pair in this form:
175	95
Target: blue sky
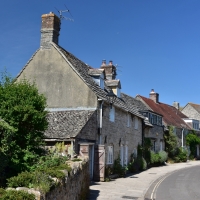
155	44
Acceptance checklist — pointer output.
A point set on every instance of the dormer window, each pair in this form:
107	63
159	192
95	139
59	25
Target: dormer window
98	76
155	119
115	85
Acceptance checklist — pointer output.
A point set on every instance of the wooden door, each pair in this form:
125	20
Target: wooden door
99	163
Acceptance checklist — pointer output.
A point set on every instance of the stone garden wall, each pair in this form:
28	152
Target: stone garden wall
75	186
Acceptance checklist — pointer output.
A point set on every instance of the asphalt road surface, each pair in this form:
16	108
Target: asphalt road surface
180	185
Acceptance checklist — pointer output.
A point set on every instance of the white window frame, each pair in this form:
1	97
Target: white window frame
126	155
136	123
110	155
128	120
122	155
112	114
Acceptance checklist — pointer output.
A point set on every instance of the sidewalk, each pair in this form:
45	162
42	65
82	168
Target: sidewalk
134	186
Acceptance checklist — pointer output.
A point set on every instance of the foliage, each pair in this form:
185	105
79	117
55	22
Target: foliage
155	158
163	156
23	108
60	147
118	169
192	140
182	155
158	158
171	143
15	195
41	174
147	150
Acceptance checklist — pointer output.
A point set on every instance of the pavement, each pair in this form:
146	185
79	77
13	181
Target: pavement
134	186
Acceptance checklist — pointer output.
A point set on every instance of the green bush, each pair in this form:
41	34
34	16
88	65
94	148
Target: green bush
16	195
155	158
181	156
22	180
137	164
163	156
143	164
118	169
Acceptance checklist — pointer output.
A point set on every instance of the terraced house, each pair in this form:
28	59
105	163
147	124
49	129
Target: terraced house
79	97
171	115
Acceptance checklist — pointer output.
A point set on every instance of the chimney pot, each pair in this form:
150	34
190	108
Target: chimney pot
110	62
103	62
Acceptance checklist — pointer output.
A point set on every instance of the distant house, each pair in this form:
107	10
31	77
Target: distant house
156	132
192	111
80	113
171	116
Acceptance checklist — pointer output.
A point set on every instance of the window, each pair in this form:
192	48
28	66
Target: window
110	155
153	147
136	123
128	120
155	119
126	155
161	145
112	114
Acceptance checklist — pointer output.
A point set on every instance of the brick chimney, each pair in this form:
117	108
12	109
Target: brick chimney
154	96
49	30
110	70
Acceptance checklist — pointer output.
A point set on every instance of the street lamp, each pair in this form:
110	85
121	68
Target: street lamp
111	97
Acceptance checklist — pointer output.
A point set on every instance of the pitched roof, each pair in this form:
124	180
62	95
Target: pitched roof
82	69
195	106
135	105
67	124
171	116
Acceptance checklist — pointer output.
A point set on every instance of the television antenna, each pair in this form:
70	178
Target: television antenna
63	11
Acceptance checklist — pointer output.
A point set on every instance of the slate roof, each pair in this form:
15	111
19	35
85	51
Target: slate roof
171	116
136	105
67	124
81	69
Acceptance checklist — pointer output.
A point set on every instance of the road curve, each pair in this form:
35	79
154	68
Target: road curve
183	184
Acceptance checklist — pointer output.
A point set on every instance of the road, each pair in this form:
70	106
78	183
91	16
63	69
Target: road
180	185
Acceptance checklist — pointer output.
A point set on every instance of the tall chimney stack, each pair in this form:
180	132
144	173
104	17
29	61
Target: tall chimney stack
154	96
110	70
49	30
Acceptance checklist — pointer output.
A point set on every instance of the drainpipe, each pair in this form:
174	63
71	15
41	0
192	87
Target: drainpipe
100	120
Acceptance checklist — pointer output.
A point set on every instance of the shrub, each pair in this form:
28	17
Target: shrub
16	195
163	156
22	180
143	164
155	158
181	156
118	169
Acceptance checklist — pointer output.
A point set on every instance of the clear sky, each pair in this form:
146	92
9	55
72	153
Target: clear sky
155	43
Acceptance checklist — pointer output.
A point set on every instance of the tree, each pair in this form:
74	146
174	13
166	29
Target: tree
192	140
23	108
171	143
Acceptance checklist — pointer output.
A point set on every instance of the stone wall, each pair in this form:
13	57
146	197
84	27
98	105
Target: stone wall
75	186
118	134
156	133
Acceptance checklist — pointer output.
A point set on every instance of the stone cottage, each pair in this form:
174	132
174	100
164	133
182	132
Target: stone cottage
156	132
80	112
